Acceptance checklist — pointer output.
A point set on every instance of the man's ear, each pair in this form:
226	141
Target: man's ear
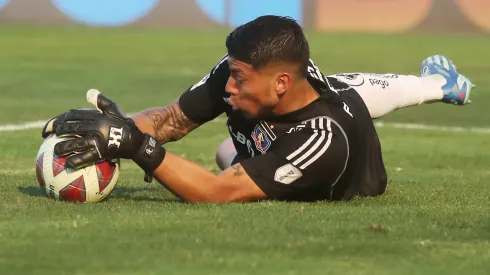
283	82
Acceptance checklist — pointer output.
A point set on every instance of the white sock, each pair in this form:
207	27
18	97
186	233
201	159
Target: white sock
384	93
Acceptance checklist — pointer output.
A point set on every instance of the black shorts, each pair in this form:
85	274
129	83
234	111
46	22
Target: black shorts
238	158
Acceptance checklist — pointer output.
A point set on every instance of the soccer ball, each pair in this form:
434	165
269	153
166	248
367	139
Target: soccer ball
90	184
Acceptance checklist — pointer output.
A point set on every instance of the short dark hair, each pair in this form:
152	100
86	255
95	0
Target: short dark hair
270	38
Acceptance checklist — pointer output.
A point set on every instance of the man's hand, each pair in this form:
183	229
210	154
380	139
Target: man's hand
102	134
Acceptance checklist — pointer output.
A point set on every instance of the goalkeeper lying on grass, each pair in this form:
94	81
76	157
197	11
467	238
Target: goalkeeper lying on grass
295	134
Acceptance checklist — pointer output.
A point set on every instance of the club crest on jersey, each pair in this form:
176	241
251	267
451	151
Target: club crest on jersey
262	141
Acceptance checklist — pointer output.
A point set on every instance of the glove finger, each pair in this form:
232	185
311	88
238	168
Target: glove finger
70	116
49	127
83	159
76	128
80	115
76	145
104	104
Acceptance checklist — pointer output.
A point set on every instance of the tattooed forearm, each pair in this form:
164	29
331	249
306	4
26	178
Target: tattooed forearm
169	123
238	170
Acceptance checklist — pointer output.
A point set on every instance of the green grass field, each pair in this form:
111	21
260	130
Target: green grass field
434	218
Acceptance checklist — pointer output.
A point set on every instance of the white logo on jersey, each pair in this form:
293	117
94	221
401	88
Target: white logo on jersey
315	71
287	174
347	110
115	136
382	83
297	128
238	136
352	79
241	138
250	149
203	80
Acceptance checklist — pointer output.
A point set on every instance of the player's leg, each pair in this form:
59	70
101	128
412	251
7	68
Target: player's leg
384	93
226	155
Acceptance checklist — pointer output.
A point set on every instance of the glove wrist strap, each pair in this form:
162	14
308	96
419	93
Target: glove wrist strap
149	156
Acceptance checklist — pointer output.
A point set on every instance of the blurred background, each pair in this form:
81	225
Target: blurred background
52	51
447	16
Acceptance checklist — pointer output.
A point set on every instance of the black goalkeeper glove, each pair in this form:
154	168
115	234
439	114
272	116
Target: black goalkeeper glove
103	134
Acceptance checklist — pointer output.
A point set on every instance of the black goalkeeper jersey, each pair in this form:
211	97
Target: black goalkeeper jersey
327	150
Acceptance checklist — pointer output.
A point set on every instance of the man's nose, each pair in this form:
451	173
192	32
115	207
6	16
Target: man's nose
231	86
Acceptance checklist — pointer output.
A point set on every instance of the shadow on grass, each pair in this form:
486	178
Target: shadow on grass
120	193
131	193
33	191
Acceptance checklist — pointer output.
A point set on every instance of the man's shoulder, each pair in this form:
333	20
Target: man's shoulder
222	65
221	70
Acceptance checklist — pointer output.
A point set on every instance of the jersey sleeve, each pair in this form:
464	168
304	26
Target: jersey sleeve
204	101
303	165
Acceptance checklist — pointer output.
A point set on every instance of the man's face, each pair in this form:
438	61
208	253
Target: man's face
253	92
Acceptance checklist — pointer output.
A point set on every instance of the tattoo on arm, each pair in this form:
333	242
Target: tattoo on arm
170	123
238	170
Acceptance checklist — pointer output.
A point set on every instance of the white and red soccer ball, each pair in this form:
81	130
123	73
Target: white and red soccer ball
90	184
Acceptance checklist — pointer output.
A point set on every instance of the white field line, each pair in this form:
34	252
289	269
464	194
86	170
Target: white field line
436	128
40	123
